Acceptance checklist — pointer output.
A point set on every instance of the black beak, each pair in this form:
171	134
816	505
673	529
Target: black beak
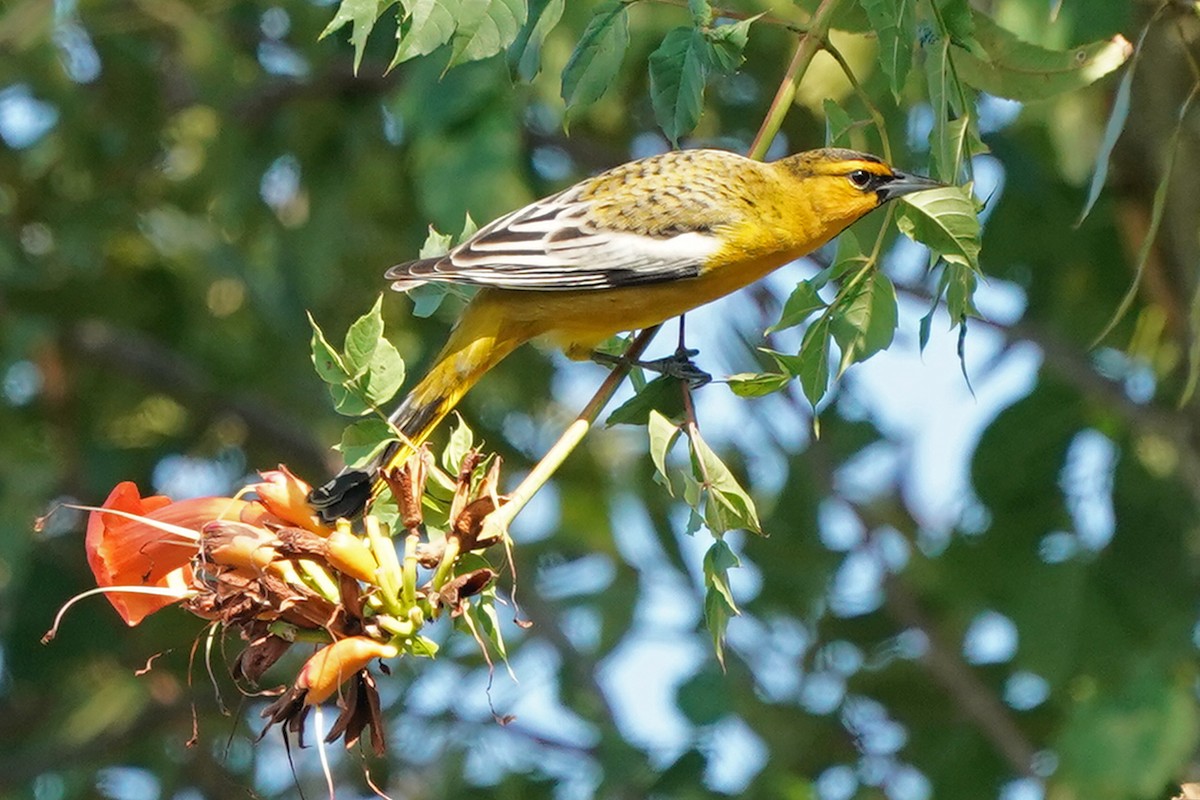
903	183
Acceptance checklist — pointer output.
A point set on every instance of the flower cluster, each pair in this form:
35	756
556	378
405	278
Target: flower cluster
269	569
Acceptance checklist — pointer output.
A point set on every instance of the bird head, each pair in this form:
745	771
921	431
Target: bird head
843	185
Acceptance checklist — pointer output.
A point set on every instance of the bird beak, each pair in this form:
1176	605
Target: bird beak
903	184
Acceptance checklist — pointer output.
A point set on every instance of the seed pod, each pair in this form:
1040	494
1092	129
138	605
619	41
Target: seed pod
334	664
407	482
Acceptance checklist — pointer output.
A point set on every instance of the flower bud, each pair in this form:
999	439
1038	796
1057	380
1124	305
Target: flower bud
286	496
350	555
334	664
236	544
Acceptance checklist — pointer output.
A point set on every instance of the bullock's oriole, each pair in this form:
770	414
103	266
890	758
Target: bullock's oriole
626	249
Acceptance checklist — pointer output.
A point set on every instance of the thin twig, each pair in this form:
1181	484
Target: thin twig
810	43
876	115
496	524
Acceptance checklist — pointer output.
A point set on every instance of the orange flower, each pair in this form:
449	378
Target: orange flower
144	552
286	496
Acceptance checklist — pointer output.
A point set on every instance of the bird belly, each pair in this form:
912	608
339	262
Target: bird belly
578	321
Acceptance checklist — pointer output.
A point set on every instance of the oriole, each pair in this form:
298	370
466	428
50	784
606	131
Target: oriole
626	249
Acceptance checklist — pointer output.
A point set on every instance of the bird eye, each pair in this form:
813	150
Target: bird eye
860	178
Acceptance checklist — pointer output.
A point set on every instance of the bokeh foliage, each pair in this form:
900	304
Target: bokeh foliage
180	183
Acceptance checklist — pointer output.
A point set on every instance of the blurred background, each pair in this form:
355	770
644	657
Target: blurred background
968	591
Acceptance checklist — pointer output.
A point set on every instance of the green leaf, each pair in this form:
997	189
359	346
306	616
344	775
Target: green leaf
376	366
1112	132
789	364
812	365
959	141
925	328
427	25
530	62
1022	71
327	361
945	220
837	125
663	433
597	57
799	306
959	26
469	229
361	15
723	488
350	399
867	324
427	298
895	22
363	336
663	394
421	646
960	282
1131	740
757	384
364	440
727	43
719	605
678	72
385	374
485	34
1114	127
489	620
849	259
954	134
1157	208
462	439
435	244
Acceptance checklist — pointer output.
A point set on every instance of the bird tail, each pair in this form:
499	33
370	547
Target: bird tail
479	342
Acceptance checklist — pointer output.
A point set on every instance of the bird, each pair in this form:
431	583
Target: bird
623	250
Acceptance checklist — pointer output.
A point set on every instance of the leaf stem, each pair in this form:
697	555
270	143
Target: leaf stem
810	43
729	13
872	109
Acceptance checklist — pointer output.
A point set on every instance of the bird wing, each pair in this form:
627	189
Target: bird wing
558	244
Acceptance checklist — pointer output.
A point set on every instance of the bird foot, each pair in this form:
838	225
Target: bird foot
678	365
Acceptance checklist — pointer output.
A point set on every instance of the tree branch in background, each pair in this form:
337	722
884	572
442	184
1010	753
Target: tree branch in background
971	695
146	360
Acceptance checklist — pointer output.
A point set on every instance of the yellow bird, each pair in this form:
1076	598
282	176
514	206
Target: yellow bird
624	250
